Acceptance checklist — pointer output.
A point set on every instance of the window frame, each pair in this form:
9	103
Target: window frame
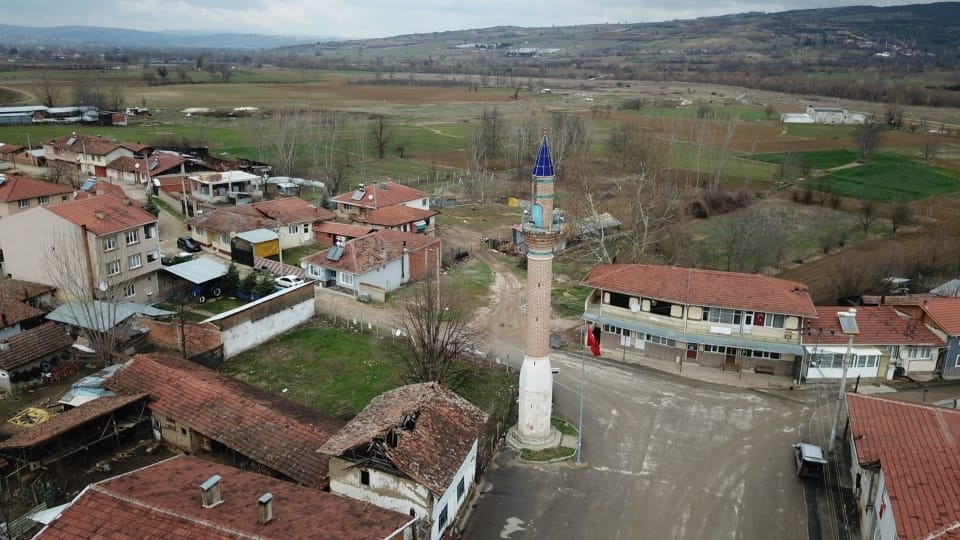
23	203
130	259
443	517
43	200
113	264
130	289
135	233
109	243
461	489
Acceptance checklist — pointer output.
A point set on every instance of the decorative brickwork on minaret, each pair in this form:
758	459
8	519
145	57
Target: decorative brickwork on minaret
540	234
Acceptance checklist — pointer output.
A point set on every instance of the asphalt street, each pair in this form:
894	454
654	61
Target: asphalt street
664	457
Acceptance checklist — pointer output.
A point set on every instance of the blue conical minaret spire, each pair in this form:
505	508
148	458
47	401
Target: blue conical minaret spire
544	166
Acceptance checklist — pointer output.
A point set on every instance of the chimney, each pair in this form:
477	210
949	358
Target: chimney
265	508
4	346
126	201
100	214
210	492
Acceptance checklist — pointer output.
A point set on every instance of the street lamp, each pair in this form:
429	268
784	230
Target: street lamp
583	376
848	325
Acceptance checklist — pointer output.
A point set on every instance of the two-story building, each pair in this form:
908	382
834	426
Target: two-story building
713	318
293	220
102	247
87	154
140	169
222	187
19	193
371	197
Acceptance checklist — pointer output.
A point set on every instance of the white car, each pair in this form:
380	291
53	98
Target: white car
285	282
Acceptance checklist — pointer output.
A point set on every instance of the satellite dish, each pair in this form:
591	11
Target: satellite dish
635	308
104	286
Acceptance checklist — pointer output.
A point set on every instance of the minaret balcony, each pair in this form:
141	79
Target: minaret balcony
532	229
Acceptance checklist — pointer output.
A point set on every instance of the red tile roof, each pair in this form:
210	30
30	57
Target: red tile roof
162	501
293	210
160	161
878	325
710	288
86	144
374	196
270	430
945	312
102	187
391	216
13	309
444	429
105	214
68	420
342	229
414	241
32	345
918	448
914	299
360	254
11	148
17	188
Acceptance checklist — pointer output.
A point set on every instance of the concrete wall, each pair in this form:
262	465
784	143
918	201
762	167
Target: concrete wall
450	498
246	327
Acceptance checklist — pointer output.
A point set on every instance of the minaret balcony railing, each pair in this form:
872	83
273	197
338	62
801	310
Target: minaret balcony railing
531	228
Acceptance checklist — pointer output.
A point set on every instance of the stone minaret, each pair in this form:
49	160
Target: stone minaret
536	379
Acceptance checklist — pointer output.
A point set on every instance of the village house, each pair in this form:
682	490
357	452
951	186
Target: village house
140	169
19	193
184	497
223	187
412	450
28	354
105	247
376	264
723	319
330	233
905	468
21	155
291	218
370	197
20	305
942	315
398	217
202	412
87	154
887	340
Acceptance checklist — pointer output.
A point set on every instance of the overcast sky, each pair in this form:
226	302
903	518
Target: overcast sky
376	18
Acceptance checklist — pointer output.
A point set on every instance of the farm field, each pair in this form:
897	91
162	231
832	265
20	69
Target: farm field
820	159
888	177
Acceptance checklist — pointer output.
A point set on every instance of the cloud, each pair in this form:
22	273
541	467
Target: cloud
371	18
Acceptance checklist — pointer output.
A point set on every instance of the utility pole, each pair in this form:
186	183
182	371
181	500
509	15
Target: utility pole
583	376
848	325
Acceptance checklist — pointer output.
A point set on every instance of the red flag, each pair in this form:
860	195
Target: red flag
593	340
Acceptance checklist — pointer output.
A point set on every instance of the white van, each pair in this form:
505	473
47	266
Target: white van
810	460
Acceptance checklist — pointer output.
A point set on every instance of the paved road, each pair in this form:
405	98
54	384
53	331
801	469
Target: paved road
664	458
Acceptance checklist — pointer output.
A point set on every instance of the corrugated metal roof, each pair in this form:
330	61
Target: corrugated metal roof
198	270
258	235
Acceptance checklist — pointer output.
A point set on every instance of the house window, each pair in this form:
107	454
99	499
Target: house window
661	340
306	228
129	290
293	229
113	268
461	489
442	519
23	203
224	239
149	231
365	478
153	256
198	231
761	354
722	315
134	261
64	198
345	278
110	243
44	200
133	237
715	349
914	353
424	202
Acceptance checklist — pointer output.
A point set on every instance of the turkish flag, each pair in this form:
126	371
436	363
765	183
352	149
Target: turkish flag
593	340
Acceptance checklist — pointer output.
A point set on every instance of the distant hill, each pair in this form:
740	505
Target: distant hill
15	36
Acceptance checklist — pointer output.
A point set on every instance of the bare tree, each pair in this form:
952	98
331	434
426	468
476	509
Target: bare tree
279	137
869	138
868	214
569	138
115	98
87	93
769	110
931	147
902	216
435	338
48	90
381	132
894	116
522	147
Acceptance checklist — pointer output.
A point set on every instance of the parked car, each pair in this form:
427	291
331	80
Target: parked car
810	460
188	244
285	282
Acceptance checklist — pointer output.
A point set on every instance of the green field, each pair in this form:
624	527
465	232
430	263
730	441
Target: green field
889	178
740	112
820	131
820	159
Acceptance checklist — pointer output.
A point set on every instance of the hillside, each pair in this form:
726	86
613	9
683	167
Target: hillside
95	36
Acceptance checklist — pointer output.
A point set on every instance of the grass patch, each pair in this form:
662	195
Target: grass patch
293	256
167	207
820	159
820	131
548	454
563	426
569	299
887	178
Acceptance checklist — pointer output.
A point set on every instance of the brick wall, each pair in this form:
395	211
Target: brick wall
423	261
199	337
539	277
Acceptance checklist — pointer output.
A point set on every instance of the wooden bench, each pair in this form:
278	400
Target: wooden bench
769	370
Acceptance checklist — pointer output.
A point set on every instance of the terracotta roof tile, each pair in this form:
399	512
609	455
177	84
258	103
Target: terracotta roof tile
374	196
88	144
918	448
234	219
391	216
17	188
878	325
367	252
270	430
104	214
414	241
70	419
102	187
946	313
13	308
293	210
162	501
33	344
342	229
433	449
710	288
160	162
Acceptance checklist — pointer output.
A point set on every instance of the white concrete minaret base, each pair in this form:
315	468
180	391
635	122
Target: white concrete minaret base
533	429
